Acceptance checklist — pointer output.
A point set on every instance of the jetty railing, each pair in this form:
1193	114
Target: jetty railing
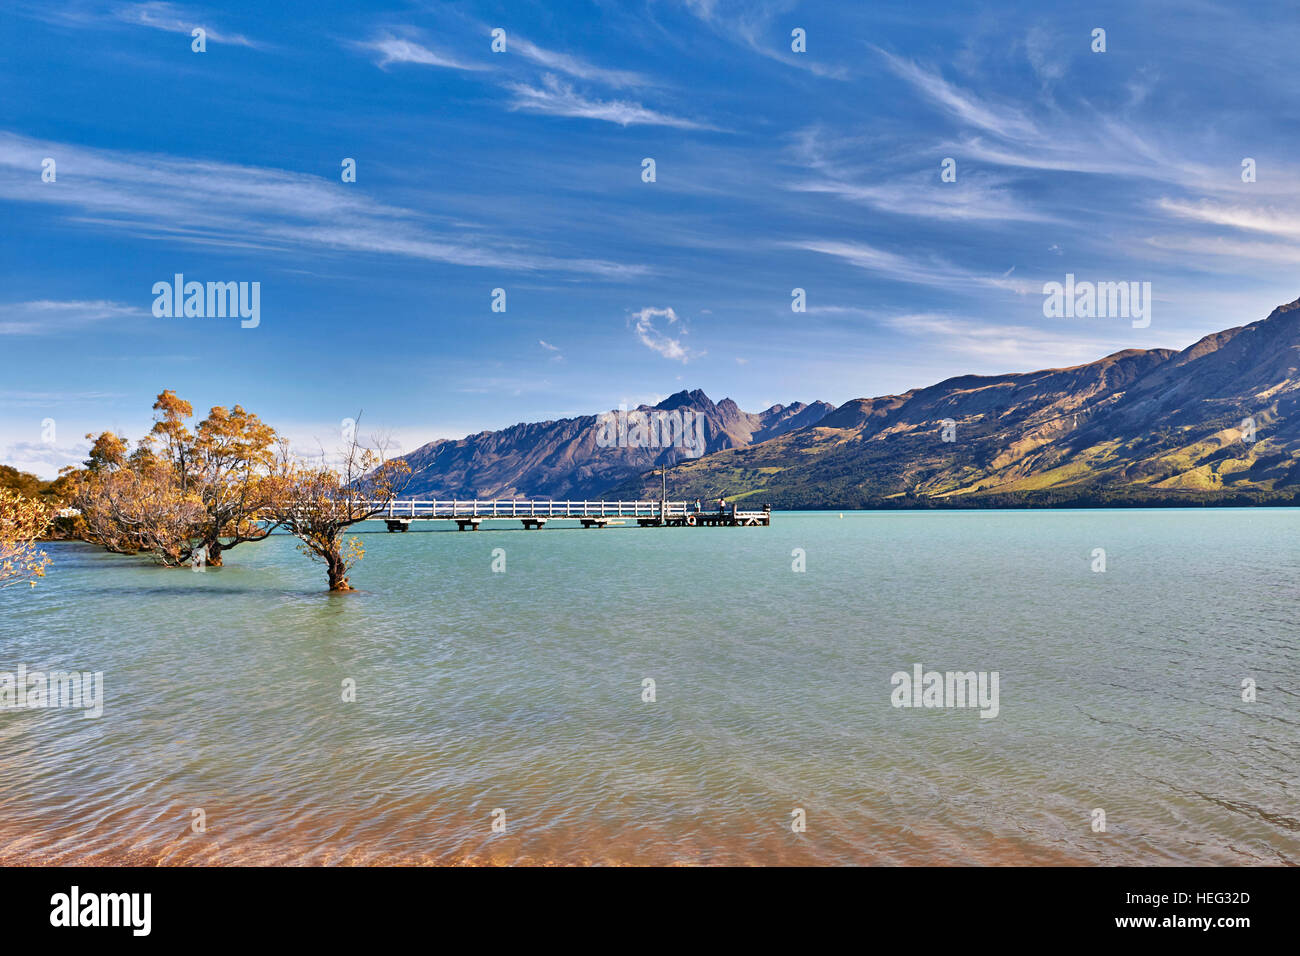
524	508
470	513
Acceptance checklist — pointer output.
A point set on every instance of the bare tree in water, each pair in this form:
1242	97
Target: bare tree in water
317	503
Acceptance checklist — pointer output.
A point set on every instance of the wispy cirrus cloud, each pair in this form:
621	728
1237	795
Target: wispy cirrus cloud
900	268
652	328
888	186
1000	345
755	26
409	45
1222	247
550	95
159	15
920	195
574	66
45	399
1081	139
155	196
1003	120
392	48
557	98
44	316
1274	222
1006	134
1110	143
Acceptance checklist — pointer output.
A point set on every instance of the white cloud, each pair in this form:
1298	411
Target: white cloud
45	316
557	98
923	195
45	399
755	25
158	196
42	459
1047	54
1005	346
1245	250
1008	122
658	339
902	269
176	19
1081	140
1267	220
886	184
396	49
566	63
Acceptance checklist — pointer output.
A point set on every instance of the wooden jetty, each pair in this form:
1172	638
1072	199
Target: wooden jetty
534	515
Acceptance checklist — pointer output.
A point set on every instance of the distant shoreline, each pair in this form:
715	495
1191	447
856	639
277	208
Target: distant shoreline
1024	502
1163	504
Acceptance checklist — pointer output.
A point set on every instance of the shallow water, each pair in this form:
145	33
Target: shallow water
522	691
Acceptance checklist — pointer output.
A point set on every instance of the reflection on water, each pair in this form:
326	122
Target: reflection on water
522	691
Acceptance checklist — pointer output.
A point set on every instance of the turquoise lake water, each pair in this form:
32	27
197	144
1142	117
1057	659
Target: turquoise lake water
522	691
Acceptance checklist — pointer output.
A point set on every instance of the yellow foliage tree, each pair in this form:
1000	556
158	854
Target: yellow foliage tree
181	495
22	522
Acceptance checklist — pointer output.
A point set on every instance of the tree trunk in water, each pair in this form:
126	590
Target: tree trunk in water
338	573
214	553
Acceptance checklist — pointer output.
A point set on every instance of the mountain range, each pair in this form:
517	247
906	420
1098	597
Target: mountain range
1214	423
567	459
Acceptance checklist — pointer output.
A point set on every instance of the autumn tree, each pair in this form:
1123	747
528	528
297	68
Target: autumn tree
100	486
162	515
22	522
134	502
181	494
21	482
317	503
107	453
171	435
229	466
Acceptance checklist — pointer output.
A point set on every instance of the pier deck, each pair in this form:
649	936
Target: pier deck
534	515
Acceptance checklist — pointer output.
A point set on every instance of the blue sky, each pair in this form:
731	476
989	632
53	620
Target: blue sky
522	170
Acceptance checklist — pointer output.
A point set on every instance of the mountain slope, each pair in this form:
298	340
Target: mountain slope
1137	425
565	458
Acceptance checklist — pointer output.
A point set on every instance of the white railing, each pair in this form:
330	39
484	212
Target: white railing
520	508
458	509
